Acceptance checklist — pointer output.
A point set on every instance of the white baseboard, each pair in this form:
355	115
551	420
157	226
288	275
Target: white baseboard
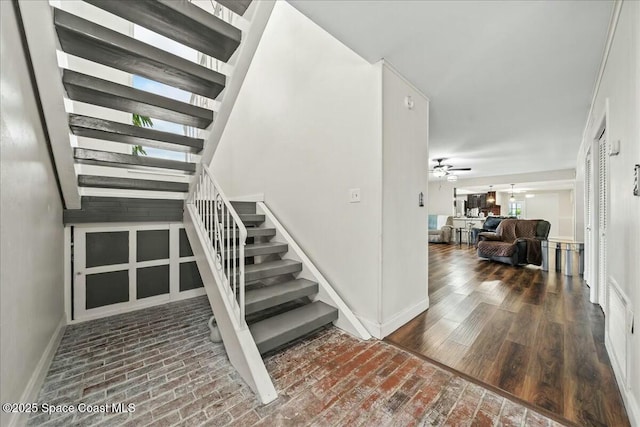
630	401
371	326
34	385
403	317
381	330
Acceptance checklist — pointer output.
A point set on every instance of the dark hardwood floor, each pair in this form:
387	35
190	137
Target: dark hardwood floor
530	333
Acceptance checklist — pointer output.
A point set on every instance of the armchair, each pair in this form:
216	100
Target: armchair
515	241
490	225
443	233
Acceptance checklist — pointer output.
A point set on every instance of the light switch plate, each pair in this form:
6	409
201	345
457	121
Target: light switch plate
354	195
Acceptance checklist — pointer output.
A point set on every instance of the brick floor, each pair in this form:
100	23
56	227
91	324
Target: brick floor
161	360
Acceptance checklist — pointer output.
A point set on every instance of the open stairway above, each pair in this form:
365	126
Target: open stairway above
105	58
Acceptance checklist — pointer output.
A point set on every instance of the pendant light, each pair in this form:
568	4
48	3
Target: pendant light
512	199
491	199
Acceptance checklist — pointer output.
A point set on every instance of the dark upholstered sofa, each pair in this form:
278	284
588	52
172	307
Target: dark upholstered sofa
515	241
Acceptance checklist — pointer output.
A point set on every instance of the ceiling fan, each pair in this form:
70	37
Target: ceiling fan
440	170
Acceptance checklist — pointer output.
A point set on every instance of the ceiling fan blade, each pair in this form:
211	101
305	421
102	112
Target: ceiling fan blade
460	169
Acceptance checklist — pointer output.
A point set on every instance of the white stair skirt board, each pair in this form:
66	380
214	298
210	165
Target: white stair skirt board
37	19
618	324
347	321
238	341
31	391
258	14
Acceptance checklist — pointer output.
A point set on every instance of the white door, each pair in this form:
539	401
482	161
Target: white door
603	204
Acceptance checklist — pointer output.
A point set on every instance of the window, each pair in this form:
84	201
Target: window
515	209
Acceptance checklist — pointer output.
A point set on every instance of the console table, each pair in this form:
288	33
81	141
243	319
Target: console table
563	254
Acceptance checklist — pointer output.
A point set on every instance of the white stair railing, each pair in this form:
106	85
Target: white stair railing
226	237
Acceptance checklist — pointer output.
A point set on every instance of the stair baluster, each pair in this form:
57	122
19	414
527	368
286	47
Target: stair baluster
227	236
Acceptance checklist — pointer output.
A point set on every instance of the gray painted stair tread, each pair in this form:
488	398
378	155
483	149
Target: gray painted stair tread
244	207
107	158
130	184
286	327
82	217
252	218
266	248
270	296
124	209
96	43
260	232
236	6
179	21
271	269
92	90
102	202
92	127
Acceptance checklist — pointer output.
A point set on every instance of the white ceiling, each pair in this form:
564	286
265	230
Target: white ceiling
510	82
522	187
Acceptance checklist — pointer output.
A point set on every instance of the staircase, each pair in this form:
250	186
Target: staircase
264	291
143	183
277	304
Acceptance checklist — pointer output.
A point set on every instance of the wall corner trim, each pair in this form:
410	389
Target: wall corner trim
31	391
381	330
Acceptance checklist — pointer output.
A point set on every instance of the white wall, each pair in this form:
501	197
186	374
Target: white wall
404	241
440	201
620	85
553	206
31	272
305	129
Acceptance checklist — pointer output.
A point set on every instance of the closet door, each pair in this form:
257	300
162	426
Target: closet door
588	224
603	207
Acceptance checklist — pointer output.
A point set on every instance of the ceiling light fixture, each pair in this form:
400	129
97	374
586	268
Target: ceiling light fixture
439	172
491	199
512	199
452	178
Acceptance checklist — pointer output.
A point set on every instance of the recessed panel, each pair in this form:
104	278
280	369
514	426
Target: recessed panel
152	244
189	276
185	246
107	288
152	281
107	248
